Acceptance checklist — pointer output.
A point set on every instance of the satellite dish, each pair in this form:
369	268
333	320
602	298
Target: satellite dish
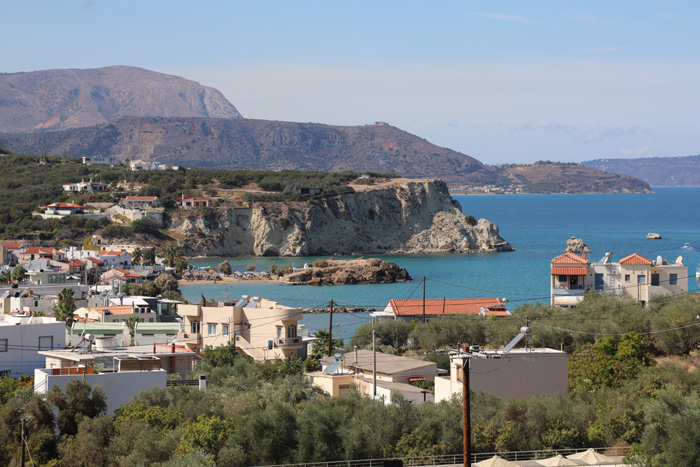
679	261
338	356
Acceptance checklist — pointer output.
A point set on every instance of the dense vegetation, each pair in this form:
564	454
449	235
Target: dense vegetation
27	182
623	392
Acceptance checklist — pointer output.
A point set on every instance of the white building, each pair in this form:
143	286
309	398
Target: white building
104	160
516	374
22	337
119	386
634	276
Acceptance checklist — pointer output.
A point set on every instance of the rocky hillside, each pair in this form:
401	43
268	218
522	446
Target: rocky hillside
415	216
656	171
61	99
558	177
260	145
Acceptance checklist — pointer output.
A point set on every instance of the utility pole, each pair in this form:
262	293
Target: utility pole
23	444
466	412
374	366
330	332
397	341
423	299
465	353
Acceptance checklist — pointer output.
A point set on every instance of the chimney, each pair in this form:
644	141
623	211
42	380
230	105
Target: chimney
172	348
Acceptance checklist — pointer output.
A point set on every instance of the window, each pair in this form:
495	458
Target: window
224	329
654	279
292	331
46	343
641	279
3	345
673	279
195	327
627	277
279	331
212	329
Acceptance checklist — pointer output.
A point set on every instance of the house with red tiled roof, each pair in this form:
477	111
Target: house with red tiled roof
193	202
85	187
118	275
9	252
118	313
117	259
32	253
634	276
62	208
424	310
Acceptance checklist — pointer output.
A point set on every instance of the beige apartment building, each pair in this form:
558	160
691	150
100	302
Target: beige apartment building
634	276
260	328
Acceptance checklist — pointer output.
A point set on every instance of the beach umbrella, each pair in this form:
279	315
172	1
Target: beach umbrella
591	456
557	461
496	461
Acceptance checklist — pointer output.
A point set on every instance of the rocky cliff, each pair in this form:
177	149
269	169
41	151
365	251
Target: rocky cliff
412	216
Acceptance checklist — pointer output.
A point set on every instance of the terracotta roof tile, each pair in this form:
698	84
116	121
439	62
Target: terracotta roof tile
569	258
635	258
450	306
570	271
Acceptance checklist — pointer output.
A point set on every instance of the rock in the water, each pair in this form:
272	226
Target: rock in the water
576	245
653	236
347	272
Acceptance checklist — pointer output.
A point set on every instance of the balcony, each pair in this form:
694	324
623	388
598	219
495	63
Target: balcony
189	337
568	292
287	342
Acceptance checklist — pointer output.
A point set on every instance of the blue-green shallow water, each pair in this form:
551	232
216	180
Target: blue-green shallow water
536	225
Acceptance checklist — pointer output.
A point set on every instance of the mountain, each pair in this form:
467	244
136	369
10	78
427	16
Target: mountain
657	171
560	177
259	145
72	98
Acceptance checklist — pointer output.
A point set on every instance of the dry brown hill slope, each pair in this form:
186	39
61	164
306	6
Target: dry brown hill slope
259	145
73	98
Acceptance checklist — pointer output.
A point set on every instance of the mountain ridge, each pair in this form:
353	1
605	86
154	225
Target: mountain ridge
657	171
259	145
61	99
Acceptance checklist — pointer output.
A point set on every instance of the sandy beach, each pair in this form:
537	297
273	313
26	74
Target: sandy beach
227	280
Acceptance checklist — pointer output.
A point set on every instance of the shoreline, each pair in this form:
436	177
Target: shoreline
226	280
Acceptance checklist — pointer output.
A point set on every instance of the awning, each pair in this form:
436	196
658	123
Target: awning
569	271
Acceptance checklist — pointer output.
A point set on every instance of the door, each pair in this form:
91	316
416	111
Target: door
599	282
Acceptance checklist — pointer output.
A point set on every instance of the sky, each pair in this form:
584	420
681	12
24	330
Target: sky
501	81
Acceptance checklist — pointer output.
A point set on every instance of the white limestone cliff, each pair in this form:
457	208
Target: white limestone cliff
414	217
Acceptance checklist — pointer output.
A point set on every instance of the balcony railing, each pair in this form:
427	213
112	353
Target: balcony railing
283	342
189	337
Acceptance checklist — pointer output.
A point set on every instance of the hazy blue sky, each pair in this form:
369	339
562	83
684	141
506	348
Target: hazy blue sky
509	81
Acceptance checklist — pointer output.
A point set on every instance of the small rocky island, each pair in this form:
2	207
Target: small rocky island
354	271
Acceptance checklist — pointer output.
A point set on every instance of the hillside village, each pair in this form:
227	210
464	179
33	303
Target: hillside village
111	316
99	310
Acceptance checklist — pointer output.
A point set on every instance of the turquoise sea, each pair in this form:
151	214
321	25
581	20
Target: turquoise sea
536	225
